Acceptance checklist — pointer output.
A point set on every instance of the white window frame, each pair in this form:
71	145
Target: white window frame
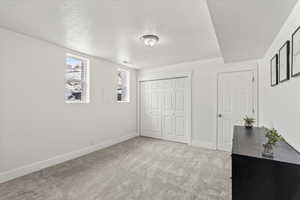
87	77
128	86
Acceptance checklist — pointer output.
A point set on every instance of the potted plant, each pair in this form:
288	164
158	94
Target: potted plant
273	138
249	122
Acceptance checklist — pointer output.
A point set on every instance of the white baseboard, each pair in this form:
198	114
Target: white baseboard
21	171
202	144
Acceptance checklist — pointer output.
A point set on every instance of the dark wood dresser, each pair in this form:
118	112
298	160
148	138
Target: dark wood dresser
255	177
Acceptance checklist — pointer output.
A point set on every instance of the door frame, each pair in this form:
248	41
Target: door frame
165	76
252	68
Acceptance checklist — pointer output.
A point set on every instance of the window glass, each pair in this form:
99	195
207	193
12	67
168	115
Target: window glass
123	86
76	80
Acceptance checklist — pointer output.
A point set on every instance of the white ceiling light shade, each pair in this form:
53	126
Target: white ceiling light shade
150	40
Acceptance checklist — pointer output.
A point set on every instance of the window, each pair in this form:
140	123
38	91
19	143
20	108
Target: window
123	86
76	79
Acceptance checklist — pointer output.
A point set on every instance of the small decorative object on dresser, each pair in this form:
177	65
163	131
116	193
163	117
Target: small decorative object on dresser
284	62
273	138
296	53
249	122
274	70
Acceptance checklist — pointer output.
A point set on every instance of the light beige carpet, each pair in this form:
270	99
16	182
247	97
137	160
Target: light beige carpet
138	169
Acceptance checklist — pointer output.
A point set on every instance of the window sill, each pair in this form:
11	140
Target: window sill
76	102
123	101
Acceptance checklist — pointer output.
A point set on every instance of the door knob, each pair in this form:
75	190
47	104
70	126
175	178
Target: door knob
219	115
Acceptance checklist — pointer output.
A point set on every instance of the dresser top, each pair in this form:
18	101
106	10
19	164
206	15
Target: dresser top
249	142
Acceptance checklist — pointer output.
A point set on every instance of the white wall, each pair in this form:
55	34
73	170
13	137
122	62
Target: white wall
204	94
281	104
35	122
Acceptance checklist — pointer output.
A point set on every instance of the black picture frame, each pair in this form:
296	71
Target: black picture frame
284	62
295	72
274	70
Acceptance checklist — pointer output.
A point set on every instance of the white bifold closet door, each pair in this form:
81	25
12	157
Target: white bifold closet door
163	109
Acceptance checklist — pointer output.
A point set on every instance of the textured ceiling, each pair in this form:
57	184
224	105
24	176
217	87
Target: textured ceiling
246	28
188	30
111	29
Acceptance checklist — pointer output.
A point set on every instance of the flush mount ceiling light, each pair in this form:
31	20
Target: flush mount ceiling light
150	40
126	63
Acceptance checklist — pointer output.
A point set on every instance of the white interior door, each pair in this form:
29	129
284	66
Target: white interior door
164	109
174	119
236	99
151	109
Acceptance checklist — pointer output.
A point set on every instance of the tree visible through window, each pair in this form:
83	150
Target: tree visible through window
76	80
123	86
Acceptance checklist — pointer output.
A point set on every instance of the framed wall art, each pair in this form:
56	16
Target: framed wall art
284	62
274	70
296	53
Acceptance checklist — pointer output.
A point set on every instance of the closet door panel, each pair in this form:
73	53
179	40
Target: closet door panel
168	109
146	120
179	126
163	115
151	109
